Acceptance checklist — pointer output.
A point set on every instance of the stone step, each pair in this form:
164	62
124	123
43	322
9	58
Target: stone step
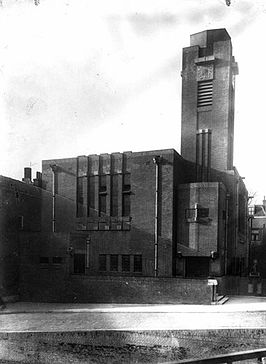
221	300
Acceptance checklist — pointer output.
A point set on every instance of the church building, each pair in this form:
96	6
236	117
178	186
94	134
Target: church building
114	221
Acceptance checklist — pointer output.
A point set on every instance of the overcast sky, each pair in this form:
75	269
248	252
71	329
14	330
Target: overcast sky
79	77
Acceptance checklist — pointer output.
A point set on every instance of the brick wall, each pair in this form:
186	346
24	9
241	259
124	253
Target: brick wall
112	289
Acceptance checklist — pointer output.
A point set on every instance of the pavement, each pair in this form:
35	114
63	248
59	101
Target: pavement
238	312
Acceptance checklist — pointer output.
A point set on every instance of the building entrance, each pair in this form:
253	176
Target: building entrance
197	267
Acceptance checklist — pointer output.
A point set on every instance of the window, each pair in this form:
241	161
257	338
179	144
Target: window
126	182
256	235
102	203
197	214
102	194
205	93
114	195
126	195
102	184
102	262
80	200
91	195
125	263
126	204
79	263
57	260
21	222
113	262
138	263
44	260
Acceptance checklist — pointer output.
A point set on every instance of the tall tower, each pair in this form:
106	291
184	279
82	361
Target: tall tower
208	75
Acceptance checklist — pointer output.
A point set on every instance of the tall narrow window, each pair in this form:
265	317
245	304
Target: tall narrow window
79	263
138	263
205	93
126	263
114	201
126	195
102	194
80	199
102	262
91	195
113	262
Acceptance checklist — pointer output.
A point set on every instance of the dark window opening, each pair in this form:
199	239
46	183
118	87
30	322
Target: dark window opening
102	203
21	222
102	262
197	266
57	260
114	262
114	195
126	182
91	194
79	263
44	260
125	263
206	51
126	204
138	263
102	184
80	200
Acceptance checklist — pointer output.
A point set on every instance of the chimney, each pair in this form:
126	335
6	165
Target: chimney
38	180
264	203
27	175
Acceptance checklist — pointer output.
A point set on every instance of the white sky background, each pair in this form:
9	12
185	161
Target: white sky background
79	77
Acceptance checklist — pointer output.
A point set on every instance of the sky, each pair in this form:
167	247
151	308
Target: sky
80	77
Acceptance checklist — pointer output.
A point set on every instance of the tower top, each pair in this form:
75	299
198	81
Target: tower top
207	37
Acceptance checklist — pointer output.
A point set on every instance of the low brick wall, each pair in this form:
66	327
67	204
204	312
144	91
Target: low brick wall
120	290
126	346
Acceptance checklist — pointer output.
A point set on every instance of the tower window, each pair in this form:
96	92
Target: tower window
205	93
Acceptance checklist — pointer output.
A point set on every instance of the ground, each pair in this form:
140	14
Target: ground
106	333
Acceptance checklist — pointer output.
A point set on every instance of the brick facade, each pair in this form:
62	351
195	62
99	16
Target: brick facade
122	216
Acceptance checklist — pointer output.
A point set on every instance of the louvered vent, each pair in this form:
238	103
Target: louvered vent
204	93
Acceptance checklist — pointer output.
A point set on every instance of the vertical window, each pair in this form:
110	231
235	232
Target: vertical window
80	196
125	263
91	194
114	262
102	262
79	263
114	201
21	222
102	194
138	263
126	195
205	93
102	203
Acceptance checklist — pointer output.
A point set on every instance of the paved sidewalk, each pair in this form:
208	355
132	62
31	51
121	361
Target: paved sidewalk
234	304
240	313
